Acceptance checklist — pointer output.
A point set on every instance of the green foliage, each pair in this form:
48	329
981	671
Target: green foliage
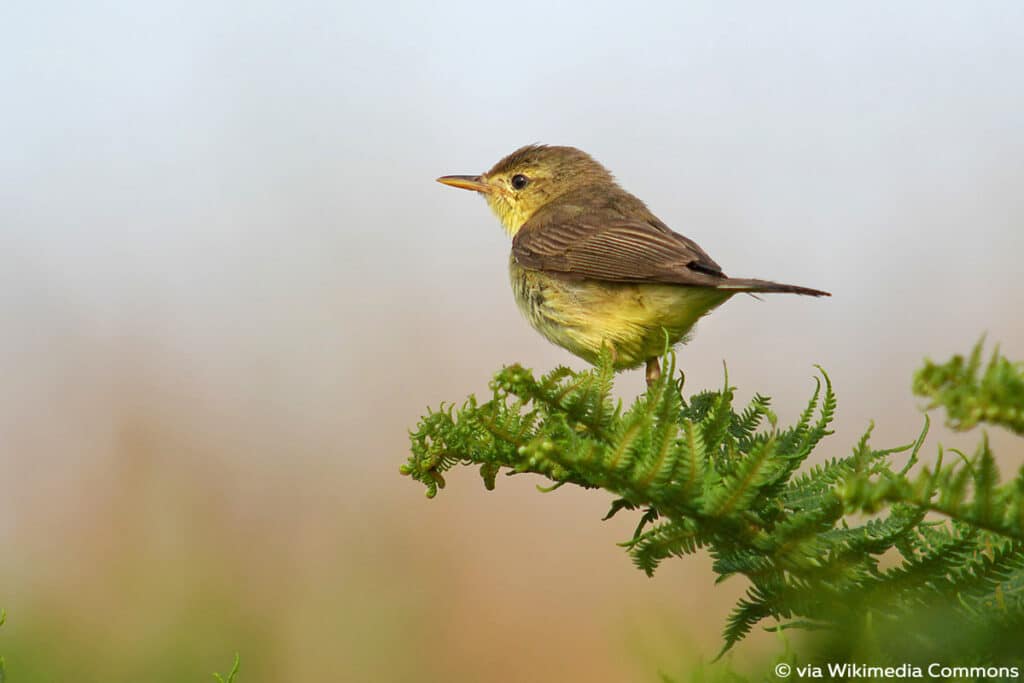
220	679
851	546
231	674
995	396
3	666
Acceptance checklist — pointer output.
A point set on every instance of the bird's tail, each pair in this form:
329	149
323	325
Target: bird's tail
767	286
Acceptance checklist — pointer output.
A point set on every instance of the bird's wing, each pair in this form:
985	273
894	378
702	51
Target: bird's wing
618	250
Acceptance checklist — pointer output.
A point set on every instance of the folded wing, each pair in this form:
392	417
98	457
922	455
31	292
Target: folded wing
618	250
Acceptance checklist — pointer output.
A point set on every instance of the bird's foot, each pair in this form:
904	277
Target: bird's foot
653	371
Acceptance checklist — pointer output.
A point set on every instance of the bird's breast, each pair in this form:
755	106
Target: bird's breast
585	315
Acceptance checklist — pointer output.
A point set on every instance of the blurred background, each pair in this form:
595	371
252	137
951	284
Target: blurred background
229	286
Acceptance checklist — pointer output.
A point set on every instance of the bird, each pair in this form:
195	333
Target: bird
592	268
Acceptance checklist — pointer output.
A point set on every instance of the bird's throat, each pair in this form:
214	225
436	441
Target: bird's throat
511	215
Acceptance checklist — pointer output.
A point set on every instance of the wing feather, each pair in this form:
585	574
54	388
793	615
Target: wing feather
614	249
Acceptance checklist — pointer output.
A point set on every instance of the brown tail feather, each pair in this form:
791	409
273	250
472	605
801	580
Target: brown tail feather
766	286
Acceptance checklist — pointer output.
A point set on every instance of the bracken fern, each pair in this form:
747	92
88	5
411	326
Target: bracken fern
704	475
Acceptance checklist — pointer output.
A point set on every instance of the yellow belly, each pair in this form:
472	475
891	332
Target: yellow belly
583	316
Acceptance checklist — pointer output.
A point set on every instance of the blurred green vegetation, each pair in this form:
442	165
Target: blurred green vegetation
188	647
971	394
230	678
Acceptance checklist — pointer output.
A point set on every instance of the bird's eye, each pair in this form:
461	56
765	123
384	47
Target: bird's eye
519	181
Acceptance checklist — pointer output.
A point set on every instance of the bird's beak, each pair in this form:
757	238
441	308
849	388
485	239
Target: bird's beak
466	182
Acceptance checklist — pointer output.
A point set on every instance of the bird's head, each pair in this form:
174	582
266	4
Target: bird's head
529	178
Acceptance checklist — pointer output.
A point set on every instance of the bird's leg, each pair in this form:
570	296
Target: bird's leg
653	371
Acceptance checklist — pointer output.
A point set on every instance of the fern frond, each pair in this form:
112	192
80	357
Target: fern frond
996	396
741	486
665	540
703	476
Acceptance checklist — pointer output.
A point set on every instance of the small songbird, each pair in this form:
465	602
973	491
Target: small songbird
591	266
